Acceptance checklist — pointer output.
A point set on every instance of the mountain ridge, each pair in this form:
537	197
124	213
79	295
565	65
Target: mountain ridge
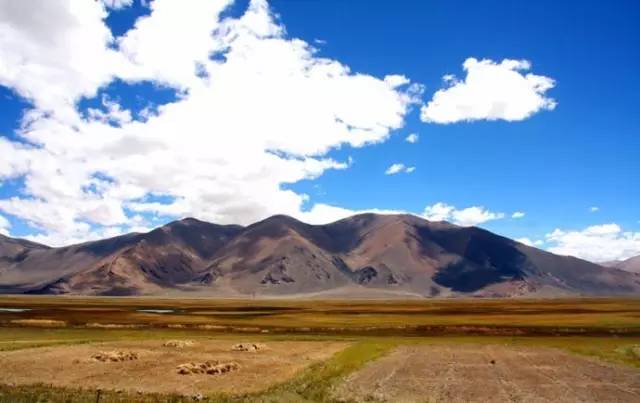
366	254
631	264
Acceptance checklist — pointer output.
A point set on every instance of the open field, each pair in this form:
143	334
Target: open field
490	373
415	317
319	350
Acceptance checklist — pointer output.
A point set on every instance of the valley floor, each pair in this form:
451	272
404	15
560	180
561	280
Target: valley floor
326	351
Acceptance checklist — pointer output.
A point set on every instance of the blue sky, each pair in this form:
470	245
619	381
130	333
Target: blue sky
565	155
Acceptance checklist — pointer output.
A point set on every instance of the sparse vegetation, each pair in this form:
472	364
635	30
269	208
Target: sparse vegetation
373	329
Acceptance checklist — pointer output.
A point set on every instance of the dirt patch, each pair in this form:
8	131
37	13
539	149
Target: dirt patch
251	347
179	343
208	367
156	369
490	373
114	356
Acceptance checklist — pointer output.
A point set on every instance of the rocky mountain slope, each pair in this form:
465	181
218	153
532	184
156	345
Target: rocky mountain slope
364	255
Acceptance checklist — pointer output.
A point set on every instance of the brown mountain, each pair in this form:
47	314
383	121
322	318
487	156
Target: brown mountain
364	255
632	264
129	264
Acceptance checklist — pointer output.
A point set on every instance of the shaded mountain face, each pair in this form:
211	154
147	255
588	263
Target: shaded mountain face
365	254
402	253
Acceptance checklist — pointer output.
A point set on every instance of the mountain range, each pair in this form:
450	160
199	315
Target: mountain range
632	264
366	255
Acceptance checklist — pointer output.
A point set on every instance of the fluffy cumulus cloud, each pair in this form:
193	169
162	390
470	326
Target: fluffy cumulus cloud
598	243
256	110
399	168
490	91
412	138
469	216
518	214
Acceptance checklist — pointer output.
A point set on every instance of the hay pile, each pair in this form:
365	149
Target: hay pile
248	347
208	367
115	356
178	343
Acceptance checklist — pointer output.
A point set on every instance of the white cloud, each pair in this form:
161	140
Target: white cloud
169	43
490	91
598	243
594	209
398	168
4	225
261	114
117	4
529	242
469	216
324	213
394	169
412	138
53	52
518	214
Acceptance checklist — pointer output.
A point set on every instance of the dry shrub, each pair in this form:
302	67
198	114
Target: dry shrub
207	367
248	347
178	343
39	322
94	325
212	327
115	356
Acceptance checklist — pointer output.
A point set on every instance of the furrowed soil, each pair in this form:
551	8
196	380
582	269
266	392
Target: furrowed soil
155	368
489	373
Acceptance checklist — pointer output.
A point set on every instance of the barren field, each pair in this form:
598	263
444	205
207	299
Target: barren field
155	368
489	373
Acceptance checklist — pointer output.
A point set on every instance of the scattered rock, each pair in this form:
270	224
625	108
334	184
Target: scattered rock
115	356
207	367
178	343
493	362
248	347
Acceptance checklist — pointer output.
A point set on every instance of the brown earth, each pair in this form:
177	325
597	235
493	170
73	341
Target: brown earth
155	370
489	373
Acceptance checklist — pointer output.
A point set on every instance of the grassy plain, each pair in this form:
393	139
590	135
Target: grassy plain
606	329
